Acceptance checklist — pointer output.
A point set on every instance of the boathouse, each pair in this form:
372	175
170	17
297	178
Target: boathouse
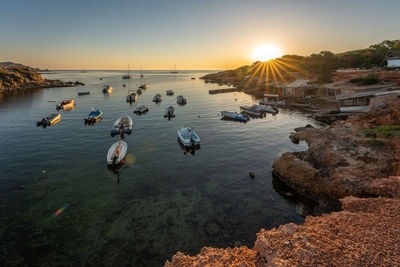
363	102
393	62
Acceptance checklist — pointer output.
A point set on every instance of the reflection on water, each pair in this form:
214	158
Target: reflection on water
160	201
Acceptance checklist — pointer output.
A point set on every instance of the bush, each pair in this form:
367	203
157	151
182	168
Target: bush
375	143
385	131
369	80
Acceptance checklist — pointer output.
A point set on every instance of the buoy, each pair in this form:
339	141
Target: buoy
123	161
184	151
43	171
252	176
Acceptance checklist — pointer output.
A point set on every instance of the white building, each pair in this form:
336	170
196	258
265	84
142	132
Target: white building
393	62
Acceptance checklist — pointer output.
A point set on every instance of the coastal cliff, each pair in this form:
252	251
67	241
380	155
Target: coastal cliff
14	79
356	161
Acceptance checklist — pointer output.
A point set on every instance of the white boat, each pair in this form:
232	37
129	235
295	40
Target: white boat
117	152
170	112
265	101
235	116
181	100
122	125
49	120
170	92
251	111
142	109
265	109
188	137
107	89
66	104
132	96
157	98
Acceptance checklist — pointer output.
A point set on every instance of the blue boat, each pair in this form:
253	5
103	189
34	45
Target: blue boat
235	116
93	116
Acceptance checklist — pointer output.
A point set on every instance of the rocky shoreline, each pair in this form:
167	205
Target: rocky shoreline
357	162
14	79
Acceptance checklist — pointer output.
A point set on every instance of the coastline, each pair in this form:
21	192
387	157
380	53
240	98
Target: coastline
354	161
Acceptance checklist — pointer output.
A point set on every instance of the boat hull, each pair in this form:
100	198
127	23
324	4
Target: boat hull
116	159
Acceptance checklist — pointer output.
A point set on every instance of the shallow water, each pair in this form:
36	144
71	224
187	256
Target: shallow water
162	201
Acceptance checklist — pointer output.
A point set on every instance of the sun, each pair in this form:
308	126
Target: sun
266	52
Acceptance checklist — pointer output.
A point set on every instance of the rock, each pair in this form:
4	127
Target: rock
294	139
238	244
298	129
252	176
212	229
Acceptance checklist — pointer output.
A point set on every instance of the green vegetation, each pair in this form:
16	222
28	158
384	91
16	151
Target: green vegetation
375	143
369	80
385	131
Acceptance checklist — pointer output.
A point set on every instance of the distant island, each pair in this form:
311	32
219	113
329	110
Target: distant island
15	78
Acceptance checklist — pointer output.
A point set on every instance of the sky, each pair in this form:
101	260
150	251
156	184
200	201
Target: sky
206	35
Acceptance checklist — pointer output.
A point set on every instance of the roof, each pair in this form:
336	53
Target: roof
298	83
271	95
365	94
394	58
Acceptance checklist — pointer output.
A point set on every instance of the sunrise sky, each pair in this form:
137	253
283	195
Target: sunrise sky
192	34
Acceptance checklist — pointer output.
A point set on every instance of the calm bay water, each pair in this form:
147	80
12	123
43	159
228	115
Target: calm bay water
162	201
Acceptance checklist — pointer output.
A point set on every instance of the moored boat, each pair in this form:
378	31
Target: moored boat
265	109
265	101
107	89
117	152
122	125
181	100
142	109
235	116
170	112
139	91
143	86
157	98
170	92
251	111
49	120
93	116
66	104
83	93
188	137
132	96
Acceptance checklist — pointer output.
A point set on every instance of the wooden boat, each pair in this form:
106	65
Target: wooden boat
170	112
170	92
157	98
181	100
66	104
83	93
122	125
142	109
132	96
107	89
93	116
117	152
235	116
49	120
188	137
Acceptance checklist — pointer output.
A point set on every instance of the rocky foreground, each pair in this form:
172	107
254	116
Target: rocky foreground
14	79
356	161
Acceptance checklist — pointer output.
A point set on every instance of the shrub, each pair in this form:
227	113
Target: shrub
385	131
375	143
369	80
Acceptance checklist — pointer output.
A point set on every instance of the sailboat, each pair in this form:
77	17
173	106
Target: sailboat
128	76
174	70
141	73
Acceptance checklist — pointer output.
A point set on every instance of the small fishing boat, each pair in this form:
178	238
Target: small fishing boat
49	120
265	109
100	79
181	100
157	98
124	85
170	112
107	89
251	111
83	93
66	104
93	116
170	92
143	86
132	96
128	75
193	78
188	137
142	109
235	116
139	91
117	152
122	125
